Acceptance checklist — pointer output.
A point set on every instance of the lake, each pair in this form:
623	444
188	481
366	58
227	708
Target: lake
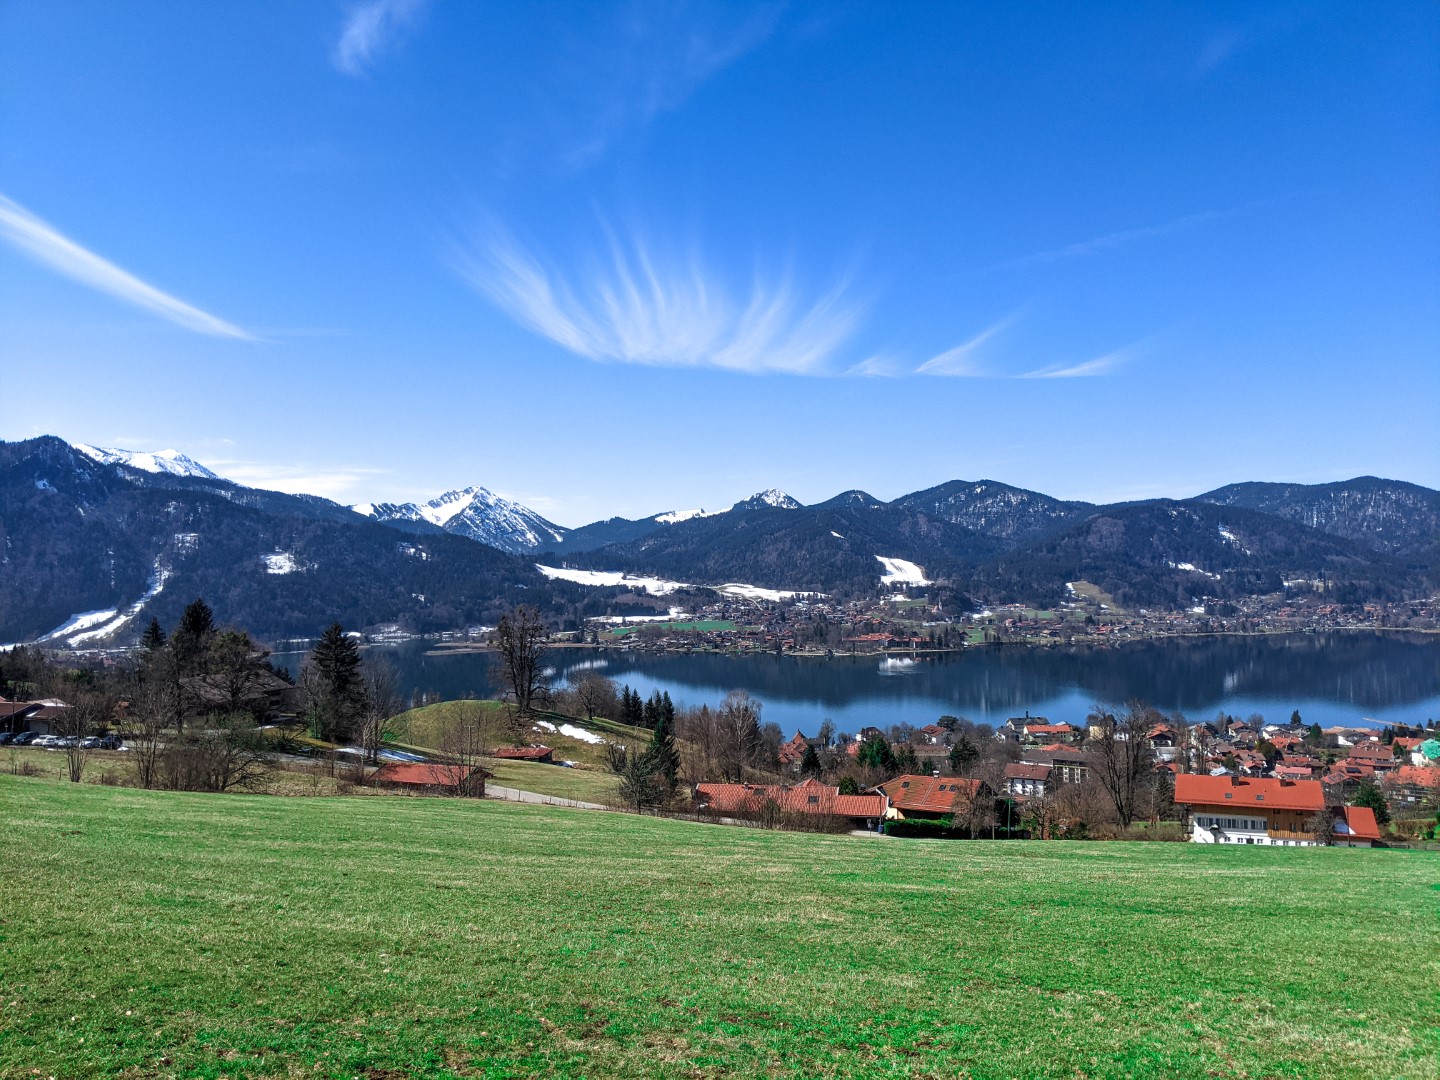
1335	678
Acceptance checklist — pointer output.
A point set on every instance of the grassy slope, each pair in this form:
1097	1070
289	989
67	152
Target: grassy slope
592	781
168	934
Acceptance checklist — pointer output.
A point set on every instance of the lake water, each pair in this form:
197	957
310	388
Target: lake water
1337	678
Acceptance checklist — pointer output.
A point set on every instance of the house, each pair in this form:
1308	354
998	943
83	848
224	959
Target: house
425	776
934	734
793	752
1425	753
1246	810
1067	764
1413	783
15	715
1037	734
542	754
929	797
807	797
1027	780
1355	826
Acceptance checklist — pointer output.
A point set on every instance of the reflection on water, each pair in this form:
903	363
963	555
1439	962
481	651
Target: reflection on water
1330	678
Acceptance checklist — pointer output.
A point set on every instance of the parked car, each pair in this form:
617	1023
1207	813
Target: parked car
6	737
90	742
112	742
25	738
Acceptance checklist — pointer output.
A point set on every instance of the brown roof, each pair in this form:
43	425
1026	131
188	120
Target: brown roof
1195	790
523	753
930	794
425	774
1021	771
1420	775
751	798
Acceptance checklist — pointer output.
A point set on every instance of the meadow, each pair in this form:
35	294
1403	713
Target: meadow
168	934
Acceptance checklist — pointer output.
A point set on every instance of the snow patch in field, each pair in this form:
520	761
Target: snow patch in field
573	732
279	562
610	578
901	572
661	587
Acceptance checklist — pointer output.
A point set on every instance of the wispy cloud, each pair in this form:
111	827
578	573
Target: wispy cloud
329	482
962	361
650	62
1101	365
1119	239
370	29
636	307
44	244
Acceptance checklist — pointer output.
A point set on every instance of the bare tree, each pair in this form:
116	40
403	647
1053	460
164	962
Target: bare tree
596	695
228	753
380	707
157	706
520	640
738	723
462	747
1120	754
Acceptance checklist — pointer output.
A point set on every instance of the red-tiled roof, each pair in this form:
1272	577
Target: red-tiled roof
930	794
523	753
1361	822
1048	729
1419	775
751	799
425	774
1195	790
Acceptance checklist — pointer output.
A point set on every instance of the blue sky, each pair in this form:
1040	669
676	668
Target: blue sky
620	258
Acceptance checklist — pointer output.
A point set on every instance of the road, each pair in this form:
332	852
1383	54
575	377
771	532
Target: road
510	794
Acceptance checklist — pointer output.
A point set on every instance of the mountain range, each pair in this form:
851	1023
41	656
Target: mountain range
94	541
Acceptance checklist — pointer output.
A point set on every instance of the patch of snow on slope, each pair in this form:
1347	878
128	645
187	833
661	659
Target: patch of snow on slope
901	572
660	586
573	732
611	578
158	577
675	516
169	462
84	621
836	535
279	562
1193	569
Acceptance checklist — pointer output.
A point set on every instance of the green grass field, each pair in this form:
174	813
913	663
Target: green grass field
150	934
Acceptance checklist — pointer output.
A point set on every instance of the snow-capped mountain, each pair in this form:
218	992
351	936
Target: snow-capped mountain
769	499
169	462
478	514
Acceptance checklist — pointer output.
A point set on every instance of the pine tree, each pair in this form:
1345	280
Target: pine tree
154	636
810	762
651	713
663	754
192	637
338	690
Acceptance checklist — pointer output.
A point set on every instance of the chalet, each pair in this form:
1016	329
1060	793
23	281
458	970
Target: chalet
1025	781
807	797
934	733
544	755
424	776
15	715
1038	734
929	798
1355	826
1241	810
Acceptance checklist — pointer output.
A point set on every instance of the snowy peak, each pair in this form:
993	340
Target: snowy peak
770	499
168	462
476	513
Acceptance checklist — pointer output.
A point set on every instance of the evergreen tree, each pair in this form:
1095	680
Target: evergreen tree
651	714
154	636
810	762
192	637
962	755
667	709
875	753
335	685
663	755
1369	794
